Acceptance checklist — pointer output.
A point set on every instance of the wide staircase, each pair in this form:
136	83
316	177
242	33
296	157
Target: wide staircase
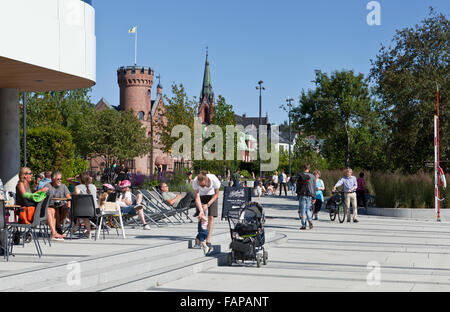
134	269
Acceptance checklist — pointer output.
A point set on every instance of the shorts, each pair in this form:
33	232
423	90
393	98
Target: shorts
214	209
202	234
129	210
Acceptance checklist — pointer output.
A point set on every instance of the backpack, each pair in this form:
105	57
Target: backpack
303	184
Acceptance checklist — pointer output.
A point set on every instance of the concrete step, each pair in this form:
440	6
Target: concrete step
58	272
171	273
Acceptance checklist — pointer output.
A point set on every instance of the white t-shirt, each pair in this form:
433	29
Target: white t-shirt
126	196
211	190
275	178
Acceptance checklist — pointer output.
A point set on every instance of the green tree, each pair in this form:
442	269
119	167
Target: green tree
340	103
304	152
59	108
180	110
406	75
51	148
114	136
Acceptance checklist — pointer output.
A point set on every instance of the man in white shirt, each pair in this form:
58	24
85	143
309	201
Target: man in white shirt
275	182
207	187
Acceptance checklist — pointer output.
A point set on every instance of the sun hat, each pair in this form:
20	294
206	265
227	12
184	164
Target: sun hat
124	184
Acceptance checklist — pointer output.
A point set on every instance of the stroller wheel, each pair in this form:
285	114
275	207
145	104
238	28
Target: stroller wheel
266	257
258	261
229	259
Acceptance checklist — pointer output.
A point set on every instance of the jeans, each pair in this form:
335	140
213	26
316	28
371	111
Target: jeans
202	233
305	208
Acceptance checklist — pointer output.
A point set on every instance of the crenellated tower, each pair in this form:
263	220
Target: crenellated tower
136	90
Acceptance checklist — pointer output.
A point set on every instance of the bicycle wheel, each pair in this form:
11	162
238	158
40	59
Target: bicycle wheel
341	213
333	211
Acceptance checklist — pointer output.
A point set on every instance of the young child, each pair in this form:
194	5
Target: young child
200	240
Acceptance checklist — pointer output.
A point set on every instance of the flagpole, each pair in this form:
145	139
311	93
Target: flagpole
135	47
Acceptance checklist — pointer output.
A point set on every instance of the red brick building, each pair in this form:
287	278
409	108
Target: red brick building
135	85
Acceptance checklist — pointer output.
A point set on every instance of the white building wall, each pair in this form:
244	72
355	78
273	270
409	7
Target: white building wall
54	34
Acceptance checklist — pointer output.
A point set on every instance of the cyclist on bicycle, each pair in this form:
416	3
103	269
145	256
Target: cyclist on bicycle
350	185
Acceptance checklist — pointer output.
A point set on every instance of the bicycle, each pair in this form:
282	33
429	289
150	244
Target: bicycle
337	207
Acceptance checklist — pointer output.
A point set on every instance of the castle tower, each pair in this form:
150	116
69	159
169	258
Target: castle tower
207	101
135	90
135	95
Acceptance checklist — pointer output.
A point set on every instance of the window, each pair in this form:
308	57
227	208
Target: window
141	116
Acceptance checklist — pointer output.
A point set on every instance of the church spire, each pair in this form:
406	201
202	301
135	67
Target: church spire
207	102
207	85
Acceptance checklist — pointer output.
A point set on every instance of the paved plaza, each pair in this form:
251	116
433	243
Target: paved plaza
377	254
414	255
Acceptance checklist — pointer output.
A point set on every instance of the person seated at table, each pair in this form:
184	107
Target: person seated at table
86	188
57	210
24	195
178	201
128	206
44	179
73	182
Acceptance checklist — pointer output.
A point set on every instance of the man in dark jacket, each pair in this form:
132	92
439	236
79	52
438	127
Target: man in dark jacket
306	193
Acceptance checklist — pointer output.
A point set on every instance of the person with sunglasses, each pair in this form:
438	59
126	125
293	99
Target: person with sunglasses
24	195
57	211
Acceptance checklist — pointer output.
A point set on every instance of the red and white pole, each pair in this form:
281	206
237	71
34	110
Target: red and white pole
437	165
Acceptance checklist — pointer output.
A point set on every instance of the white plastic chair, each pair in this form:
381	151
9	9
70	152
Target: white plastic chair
113	210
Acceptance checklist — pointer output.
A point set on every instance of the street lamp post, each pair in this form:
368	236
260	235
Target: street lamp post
260	88
289	101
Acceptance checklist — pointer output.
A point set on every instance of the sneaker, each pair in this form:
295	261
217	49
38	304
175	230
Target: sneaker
303	228
57	239
205	249
316	218
348	220
138	206
208	244
310	225
209	251
59	230
355	221
146	227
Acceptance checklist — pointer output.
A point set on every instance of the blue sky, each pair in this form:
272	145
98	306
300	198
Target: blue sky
280	42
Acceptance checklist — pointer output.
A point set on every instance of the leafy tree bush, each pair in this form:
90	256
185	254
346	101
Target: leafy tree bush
51	148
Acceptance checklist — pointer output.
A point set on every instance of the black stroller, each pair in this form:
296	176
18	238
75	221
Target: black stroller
247	234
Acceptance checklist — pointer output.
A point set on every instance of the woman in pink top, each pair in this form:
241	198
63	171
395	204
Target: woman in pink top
361	191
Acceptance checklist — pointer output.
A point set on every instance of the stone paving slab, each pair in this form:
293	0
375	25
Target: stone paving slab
413	255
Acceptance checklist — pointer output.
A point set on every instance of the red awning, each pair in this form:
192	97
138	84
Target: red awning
163	160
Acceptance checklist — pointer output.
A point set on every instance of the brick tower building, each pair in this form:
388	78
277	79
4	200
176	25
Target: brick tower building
136	95
207	102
